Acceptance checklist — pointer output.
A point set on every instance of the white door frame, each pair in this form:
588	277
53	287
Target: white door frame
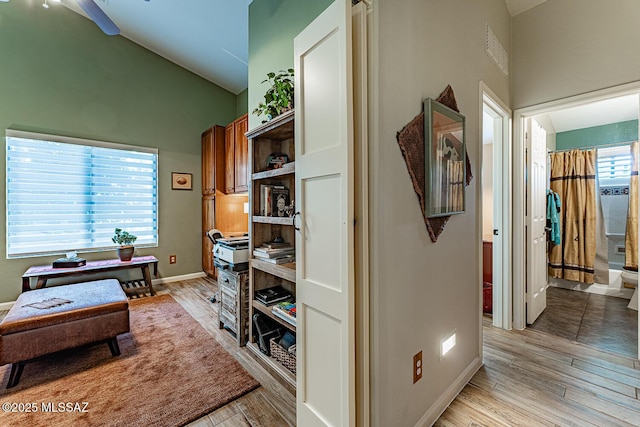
519	191
502	217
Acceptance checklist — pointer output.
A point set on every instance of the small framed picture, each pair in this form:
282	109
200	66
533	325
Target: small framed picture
181	181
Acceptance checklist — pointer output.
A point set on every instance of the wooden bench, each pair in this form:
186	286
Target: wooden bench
48	320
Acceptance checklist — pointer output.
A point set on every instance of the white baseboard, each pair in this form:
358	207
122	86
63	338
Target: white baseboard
6	305
445	399
162	280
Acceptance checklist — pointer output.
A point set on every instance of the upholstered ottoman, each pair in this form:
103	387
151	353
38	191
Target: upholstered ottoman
47	320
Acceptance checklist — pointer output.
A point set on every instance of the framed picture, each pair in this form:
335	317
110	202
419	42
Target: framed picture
181	181
445	161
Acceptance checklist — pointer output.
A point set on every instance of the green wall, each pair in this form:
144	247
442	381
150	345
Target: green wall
272	26
241	103
60	74
598	135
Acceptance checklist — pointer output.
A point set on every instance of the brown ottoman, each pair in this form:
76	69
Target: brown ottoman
88	312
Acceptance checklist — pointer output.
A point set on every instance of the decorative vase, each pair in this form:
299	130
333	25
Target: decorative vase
125	253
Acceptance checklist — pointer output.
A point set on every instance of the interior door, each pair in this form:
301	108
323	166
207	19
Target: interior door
536	291
325	239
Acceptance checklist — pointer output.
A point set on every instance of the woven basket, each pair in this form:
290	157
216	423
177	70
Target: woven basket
288	360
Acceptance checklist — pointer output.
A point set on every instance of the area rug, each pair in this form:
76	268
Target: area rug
170	372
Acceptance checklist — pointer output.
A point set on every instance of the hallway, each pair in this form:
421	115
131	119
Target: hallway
595	320
532	378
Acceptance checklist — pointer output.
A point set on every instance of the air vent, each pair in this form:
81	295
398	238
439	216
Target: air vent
496	51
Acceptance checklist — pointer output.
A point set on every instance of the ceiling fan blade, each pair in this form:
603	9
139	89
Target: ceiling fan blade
98	16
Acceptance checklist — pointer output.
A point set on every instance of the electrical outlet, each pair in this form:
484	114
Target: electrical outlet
172	259
417	367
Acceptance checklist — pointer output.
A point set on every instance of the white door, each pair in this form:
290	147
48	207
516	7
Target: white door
325	240
536	298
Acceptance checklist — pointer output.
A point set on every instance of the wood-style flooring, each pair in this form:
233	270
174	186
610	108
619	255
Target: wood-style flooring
529	378
270	405
599	321
532	378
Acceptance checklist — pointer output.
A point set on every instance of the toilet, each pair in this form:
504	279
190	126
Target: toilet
630	277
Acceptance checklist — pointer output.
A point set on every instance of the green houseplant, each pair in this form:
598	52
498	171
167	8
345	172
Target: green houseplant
125	241
279	97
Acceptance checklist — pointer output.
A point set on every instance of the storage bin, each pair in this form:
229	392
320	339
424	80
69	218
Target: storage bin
288	360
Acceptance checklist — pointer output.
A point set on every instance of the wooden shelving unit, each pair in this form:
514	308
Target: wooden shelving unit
275	136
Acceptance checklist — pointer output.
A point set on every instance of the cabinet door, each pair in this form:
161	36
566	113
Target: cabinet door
241	155
213	160
229	155
208	222
208	177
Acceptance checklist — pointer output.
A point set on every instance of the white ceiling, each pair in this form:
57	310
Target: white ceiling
598	113
207	37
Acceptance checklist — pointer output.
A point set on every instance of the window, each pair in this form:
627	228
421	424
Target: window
614	163
67	194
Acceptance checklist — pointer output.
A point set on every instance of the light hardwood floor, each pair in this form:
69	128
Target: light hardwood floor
532	378
529	378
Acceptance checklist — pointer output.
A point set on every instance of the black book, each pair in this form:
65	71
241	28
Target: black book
272	295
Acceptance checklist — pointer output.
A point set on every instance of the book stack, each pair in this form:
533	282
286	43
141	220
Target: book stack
286	311
270	296
275	253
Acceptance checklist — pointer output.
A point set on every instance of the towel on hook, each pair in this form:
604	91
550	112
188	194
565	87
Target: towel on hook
553	216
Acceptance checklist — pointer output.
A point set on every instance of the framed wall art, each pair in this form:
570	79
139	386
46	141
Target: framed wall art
445	161
181	181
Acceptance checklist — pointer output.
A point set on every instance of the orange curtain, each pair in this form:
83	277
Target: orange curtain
631	239
573	177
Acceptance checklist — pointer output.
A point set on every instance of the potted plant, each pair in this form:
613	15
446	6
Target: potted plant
279	97
124	240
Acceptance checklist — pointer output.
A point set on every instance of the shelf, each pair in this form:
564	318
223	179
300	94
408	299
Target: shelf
266	310
273	220
288	376
277	129
286	169
283	271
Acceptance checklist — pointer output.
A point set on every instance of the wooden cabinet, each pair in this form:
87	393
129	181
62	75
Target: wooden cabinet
275	136
236	156
212	180
233	311
213	160
208	222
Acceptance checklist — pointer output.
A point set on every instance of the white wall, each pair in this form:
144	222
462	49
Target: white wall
487	191
422	290
567	47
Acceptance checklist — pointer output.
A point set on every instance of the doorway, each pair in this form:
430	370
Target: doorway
557	114
496	214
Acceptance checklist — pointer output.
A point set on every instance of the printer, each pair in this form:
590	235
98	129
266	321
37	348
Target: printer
230	253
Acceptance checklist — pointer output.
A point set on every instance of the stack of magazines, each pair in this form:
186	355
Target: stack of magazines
275	253
286	311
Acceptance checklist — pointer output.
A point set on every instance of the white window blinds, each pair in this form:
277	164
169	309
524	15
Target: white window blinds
67	194
614	163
